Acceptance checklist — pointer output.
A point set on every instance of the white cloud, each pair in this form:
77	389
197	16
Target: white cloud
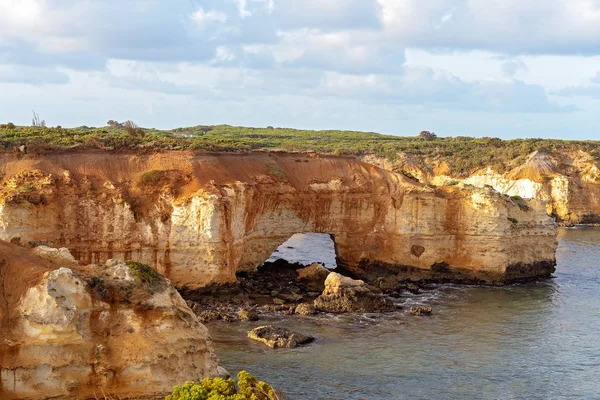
202	17
242	6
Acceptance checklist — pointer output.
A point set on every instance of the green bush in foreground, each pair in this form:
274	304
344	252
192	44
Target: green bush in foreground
248	388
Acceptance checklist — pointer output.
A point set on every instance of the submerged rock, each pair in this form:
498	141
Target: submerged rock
421	310
247	315
343	294
277	337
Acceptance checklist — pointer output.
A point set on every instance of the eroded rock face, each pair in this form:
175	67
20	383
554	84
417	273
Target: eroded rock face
343	294
200	218
60	256
106	329
568	181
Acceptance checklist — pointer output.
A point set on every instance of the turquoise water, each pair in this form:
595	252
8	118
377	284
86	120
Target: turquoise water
531	341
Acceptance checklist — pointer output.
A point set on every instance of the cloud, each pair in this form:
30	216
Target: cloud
591	90
511	67
32	75
328	15
507	26
202	17
441	89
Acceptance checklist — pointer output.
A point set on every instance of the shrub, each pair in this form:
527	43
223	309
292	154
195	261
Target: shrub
513	220
152	178
275	172
36	121
132	129
453	182
248	388
409	175
426	135
145	273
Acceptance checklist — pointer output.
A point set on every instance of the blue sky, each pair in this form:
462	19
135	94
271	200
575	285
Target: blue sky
500	68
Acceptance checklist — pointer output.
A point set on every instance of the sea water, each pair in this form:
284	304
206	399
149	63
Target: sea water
528	341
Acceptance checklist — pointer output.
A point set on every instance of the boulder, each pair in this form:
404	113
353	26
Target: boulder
313	276
343	294
277	337
421	310
60	256
305	309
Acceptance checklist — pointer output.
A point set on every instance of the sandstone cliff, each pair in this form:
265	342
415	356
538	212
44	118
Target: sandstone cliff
200	218
568	181
84	332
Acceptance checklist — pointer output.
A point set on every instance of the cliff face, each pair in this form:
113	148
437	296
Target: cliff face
569	182
199	218
88	331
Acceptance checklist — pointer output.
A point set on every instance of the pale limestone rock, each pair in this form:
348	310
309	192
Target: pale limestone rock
71	342
60	256
277	337
568	181
305	309
343	294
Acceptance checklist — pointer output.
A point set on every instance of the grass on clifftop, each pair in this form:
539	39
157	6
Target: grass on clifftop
463	154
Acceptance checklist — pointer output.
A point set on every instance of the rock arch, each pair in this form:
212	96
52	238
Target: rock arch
202	217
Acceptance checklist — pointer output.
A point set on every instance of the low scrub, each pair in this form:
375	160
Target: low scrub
463	155
145	274
247	388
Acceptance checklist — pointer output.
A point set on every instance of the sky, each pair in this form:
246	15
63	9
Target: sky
497	68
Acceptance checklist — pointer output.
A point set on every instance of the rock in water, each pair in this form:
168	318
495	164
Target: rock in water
305	309
276	337
421	310
343	294
247	315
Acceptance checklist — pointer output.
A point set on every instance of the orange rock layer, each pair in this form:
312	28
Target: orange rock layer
199	218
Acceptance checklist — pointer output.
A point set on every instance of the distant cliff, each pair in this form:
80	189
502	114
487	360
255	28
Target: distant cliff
199	218
569	181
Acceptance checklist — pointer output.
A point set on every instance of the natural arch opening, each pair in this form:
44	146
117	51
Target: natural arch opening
306	249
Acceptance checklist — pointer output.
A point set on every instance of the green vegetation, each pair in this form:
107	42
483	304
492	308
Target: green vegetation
152	178
463	154
513	220
248	388
275	172
27	188
145	273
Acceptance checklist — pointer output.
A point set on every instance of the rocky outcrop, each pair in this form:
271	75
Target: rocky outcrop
305	309
343	294
277	337
113	329
58	256
568	181
201	218
314	276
